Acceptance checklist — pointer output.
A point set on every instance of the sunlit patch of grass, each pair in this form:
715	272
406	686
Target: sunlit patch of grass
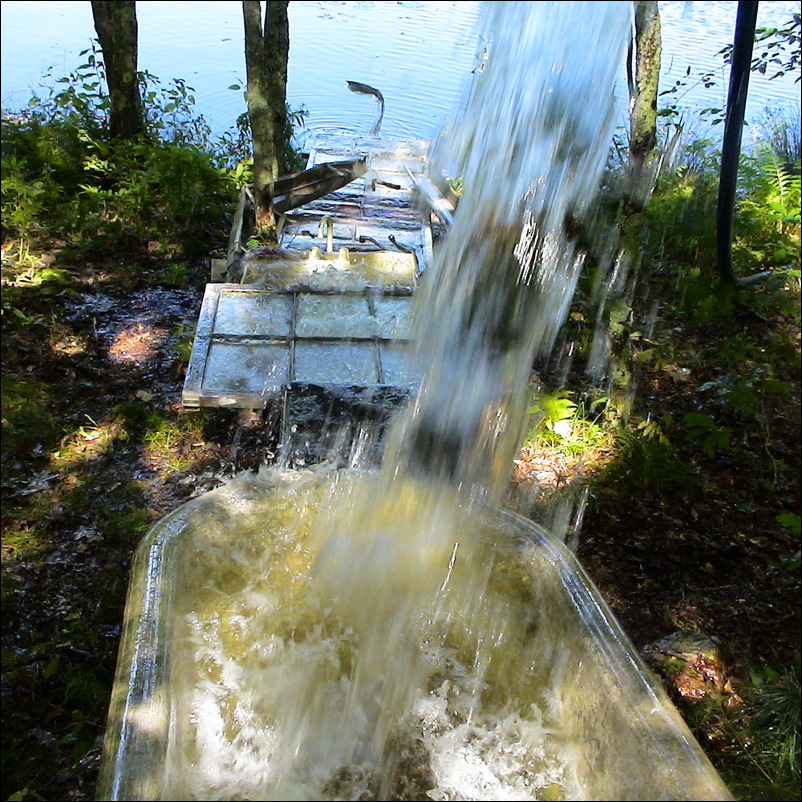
89	441
169	442
564	448
574	437
573	430
20	260
24	542
131	523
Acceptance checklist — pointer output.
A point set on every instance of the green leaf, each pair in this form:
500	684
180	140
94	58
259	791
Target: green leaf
51	667
790	521
763	675
717	440
776	386
645	356
699	420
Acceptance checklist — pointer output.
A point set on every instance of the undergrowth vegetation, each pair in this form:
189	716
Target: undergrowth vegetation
170	190
693	465
689	445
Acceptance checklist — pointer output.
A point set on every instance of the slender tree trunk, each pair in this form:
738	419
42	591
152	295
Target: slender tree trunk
116	27
266	56
643	98
643	73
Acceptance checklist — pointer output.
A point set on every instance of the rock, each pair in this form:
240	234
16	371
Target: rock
691	664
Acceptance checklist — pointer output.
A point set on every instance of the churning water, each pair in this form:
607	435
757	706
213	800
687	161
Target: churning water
382	652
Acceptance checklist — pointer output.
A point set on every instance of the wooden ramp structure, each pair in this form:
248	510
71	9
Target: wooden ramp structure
332	305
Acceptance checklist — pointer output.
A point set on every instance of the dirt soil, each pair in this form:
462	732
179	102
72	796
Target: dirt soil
102	448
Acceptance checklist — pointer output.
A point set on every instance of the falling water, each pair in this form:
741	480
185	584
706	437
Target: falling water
530	149
399	639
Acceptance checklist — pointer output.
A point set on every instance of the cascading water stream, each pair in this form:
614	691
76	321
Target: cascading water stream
393	558
530	149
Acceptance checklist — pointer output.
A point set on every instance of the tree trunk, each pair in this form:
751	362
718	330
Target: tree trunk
115	24
266	56
643	73
643	98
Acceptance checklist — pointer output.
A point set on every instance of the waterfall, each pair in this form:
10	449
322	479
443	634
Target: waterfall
398	554
530	148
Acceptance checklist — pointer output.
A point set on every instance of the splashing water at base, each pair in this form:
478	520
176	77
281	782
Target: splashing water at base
294	694
242	678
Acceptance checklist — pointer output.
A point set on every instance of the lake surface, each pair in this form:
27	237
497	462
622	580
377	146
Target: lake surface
419	54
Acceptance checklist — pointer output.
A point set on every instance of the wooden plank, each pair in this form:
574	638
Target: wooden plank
193	382
235	238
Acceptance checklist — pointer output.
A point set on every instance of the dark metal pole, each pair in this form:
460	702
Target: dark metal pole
733	130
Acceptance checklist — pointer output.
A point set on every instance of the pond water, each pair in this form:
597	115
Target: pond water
419	54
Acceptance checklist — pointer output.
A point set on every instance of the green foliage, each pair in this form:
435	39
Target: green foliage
175	274
185	336
559	422
126	524
24	794
681	214
680	217
77	98
778	715
768	232
780	130
741	392
791	521
62	176
552	409
25	320
60	180
681	226
170	113
776	49
28	423
646	461
765	737
237	151
705	298
457	185
711	436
